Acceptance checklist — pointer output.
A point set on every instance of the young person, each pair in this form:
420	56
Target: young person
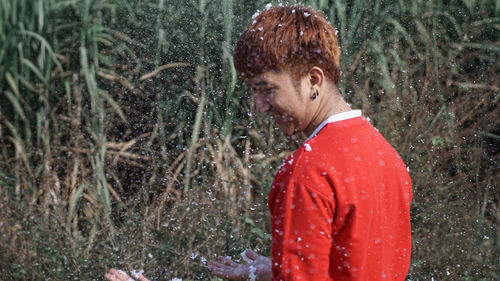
340	203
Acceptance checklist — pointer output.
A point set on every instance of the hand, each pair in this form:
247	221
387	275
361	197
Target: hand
118	275
258	268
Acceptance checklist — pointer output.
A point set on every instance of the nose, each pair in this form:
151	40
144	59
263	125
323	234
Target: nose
261	103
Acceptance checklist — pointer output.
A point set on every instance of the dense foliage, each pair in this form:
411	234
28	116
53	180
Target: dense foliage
126	139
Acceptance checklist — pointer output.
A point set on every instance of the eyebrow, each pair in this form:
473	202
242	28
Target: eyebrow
261	83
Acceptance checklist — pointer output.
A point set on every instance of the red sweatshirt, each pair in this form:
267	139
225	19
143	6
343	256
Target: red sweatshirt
340	208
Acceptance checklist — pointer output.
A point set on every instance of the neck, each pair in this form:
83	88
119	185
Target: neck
330	102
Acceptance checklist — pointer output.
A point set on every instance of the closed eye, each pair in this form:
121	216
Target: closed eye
268	90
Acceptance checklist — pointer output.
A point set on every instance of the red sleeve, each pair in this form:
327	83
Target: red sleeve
302	226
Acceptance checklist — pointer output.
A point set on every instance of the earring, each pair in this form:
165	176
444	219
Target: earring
315	94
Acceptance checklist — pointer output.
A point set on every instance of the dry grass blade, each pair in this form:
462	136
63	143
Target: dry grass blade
73	201
115	106
122	147
114	77
116	196
163	67
22	154
12	84
15	104
481	86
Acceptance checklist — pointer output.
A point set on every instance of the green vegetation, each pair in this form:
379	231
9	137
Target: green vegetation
126	139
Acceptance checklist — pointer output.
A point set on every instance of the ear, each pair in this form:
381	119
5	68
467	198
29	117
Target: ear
316	77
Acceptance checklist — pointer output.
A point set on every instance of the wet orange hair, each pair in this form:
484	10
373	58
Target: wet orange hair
288	38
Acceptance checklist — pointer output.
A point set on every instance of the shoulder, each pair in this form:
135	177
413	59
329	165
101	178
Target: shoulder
305	169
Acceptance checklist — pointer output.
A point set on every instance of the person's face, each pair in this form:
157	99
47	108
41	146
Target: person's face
283	99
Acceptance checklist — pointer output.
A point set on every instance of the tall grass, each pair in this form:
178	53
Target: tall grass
127	141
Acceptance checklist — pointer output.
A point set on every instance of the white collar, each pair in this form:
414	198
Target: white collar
335	118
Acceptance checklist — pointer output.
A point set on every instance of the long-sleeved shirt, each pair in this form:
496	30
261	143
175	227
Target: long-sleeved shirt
340	208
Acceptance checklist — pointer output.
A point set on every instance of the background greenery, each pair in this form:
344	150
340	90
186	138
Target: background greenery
126	139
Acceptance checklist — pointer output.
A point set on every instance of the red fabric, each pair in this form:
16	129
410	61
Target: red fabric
340	208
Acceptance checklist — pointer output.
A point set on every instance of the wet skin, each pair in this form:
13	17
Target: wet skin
297	105
284	100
